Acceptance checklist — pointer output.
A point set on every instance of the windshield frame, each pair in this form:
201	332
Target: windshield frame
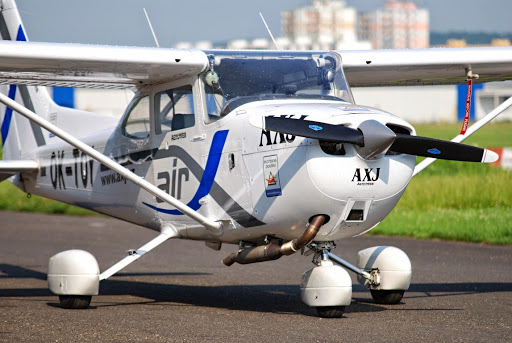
243	76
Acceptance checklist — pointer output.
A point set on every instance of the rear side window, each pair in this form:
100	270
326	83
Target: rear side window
137	123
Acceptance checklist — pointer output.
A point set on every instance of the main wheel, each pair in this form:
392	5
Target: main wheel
75	301
330	311
387	297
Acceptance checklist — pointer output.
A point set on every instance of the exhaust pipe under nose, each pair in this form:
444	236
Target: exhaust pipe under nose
262	253
271	251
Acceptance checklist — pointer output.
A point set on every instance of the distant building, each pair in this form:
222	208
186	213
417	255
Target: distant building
324	25
238	44
456	43
490	96
399	25
111	102
462	43
500	42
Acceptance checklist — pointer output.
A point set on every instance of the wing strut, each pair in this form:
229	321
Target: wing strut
213	226
133	255
472	129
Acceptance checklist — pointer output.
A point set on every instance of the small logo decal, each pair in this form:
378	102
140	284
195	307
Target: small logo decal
271	175
271	181
434	151
315	127
369	177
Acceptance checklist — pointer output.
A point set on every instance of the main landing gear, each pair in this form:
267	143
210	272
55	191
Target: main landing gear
386	271
74	275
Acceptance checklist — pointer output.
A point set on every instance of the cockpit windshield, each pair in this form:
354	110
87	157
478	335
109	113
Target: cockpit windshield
238	77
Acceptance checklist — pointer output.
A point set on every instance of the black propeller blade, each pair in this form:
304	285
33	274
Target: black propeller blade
378	138
436	148
313	129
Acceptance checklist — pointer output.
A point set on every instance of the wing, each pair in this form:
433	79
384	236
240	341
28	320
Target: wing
435	66
78	65
94	66
9	168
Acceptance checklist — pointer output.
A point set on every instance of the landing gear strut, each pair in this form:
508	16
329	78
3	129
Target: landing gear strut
74	275
386	271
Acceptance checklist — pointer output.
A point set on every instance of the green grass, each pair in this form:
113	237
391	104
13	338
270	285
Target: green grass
485	225
13	199
449	200
457	201
473	206
493	134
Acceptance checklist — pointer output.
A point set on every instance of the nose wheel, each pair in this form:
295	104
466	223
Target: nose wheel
330	311
75	302
327	287
387	297
386	271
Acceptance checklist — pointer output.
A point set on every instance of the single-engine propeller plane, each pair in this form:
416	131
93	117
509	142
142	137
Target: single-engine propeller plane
265	150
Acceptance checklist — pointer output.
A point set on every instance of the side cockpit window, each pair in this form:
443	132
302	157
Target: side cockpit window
174	109
137	124
215	106
215	98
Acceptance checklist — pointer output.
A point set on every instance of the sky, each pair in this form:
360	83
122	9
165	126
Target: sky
122	22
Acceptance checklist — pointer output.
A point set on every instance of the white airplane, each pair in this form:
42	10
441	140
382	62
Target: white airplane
262	149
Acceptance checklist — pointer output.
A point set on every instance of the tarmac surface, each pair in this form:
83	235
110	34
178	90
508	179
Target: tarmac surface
181	292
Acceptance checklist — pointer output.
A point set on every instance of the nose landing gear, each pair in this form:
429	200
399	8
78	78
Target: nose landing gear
327	287
386	271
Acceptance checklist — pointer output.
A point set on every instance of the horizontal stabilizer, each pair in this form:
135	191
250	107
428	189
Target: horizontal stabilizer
9	168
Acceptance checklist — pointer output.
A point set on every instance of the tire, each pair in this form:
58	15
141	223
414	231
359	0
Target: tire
387	297
330	311
75	301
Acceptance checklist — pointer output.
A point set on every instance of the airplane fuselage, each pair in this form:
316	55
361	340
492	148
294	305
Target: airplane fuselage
263	183
195	139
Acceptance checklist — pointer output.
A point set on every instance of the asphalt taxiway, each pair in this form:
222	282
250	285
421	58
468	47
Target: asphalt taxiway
181	292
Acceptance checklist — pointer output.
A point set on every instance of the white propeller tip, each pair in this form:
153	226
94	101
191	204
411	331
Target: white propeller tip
490	156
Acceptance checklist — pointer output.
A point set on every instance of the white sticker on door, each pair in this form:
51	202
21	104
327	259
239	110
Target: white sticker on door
271	176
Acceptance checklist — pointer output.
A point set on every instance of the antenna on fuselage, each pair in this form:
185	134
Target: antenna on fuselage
151	27
269	32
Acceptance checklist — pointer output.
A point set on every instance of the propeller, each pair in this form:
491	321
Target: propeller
373	138
313	129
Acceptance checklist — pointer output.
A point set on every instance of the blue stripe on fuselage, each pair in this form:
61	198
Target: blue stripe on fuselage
212	165
6	123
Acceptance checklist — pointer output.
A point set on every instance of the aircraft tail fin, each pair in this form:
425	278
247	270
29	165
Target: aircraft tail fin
19	135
